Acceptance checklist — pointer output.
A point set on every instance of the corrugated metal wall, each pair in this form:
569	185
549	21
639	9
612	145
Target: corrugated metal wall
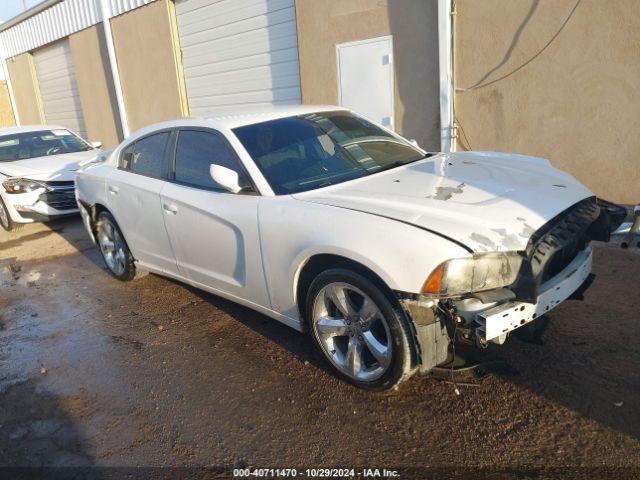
238	52
58	87
59	21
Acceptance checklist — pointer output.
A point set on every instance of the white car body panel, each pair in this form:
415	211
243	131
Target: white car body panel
401	224
59	168
293	231
42	168
223	226
487	201
136	199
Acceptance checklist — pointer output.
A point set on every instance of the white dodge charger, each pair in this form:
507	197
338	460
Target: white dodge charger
37	170
334	225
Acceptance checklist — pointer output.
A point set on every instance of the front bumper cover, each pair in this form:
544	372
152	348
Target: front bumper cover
41	205
506	317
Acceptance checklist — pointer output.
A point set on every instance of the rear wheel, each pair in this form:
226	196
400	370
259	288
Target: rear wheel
115	253
365	338
5	218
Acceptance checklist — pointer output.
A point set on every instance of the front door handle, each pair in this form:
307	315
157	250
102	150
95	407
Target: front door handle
170	209
113	190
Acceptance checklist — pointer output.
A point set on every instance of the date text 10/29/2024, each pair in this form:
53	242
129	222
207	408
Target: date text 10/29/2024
315	473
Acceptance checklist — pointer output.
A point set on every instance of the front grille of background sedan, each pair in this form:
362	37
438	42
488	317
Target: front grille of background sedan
60	195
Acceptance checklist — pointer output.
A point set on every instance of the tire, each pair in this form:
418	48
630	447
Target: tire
5	219
115	252
367	340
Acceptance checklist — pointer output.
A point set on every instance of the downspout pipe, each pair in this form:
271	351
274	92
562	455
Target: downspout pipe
5	71
445	57
104	9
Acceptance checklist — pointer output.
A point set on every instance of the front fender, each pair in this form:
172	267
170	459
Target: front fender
292	231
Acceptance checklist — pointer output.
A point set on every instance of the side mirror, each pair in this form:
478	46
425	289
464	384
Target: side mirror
96	144
225	177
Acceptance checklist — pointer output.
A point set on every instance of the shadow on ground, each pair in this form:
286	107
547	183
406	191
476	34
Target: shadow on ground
37	431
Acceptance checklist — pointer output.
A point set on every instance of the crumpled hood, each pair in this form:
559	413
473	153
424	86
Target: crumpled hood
55	167
485	200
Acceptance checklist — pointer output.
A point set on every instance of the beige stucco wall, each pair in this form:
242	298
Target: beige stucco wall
95	85
147	64
6	112
414	26
578	103
25	89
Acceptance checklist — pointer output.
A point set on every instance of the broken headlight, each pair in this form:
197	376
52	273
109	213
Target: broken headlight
21	185
481	272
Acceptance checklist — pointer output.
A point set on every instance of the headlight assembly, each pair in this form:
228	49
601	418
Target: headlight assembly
479	273
21	185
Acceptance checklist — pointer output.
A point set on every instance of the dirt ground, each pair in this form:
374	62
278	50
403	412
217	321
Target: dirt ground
154	373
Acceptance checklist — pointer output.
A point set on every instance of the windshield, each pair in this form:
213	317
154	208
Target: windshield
21	146
296	154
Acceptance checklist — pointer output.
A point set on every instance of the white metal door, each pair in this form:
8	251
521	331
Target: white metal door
365	78
134	201
238	52
223	251
58	87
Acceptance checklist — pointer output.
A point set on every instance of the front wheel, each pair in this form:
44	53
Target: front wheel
115	253
5	218
366	339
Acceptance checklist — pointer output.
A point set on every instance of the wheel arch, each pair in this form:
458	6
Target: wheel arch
319	262
96	209
315	264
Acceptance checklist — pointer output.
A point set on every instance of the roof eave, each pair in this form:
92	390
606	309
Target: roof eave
12	22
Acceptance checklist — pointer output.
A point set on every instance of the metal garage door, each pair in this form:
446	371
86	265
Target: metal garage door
58	87
238	52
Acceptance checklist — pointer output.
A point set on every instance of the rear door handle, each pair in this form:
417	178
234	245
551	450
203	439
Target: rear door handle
170	209
113	190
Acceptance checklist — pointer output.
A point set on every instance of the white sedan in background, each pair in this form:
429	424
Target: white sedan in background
334	225
37	170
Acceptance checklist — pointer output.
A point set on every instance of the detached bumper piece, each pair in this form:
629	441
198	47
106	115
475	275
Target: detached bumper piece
631	231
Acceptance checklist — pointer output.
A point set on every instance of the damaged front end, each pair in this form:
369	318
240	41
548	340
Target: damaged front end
482	299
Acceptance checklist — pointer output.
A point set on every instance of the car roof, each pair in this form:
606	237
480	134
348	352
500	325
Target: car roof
239	117
253	115
29	128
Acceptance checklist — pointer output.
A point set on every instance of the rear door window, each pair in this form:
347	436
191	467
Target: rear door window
147	156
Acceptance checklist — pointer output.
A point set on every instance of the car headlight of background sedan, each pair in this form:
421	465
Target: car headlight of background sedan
21	185
479	273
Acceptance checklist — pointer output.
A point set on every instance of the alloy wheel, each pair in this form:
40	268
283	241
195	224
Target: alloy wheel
4	216
112	247
352	331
